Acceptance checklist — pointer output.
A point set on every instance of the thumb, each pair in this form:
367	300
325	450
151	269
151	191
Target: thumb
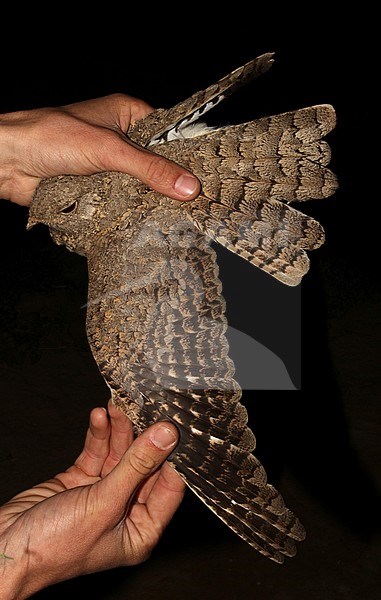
145	455
159	173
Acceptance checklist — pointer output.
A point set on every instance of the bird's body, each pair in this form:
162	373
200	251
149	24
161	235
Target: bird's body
156	317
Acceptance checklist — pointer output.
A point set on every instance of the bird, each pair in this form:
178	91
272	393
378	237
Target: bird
155	315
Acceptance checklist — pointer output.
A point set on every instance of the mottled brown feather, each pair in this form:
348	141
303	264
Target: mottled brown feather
156	319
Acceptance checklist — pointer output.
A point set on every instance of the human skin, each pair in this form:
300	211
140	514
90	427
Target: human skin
109	509
81	139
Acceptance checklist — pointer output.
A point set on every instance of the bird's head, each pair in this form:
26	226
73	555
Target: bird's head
77	208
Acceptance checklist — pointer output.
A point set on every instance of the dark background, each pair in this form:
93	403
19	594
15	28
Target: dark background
320	445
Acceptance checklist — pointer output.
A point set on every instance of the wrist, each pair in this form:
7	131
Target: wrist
12	572
18	577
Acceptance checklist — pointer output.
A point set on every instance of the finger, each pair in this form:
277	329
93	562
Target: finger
96	448
122	436
165	496
159	173
142	459
116	111
143	492
101	149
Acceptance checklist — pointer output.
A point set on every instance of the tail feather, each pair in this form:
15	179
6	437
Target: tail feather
273	239
250	173
277	149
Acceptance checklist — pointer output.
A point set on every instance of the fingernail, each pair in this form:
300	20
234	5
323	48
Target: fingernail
186	185
163	437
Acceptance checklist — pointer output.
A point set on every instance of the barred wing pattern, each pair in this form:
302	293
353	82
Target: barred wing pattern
250	173
162	125
172	363
156	316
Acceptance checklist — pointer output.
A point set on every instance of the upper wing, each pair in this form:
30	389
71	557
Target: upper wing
156	325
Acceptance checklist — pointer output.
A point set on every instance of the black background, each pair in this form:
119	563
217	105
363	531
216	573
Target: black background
319	444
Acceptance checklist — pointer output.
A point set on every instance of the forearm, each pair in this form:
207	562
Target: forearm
82	139
16	587
31	562
23	571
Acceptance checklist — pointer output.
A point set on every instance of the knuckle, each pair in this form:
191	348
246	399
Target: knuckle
148	542
158	170
142	463
139	108
139	557
118	99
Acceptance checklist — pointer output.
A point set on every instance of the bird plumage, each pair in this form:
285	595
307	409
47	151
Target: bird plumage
156	319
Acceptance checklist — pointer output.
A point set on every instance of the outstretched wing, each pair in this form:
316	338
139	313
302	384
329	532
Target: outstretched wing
250	173
163	351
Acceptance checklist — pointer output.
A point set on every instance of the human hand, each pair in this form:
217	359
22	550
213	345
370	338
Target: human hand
81	139
107	510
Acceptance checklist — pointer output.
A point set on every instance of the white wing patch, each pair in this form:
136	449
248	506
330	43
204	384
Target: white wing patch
187	127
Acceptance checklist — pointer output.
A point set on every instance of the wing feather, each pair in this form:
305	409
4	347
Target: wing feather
174	364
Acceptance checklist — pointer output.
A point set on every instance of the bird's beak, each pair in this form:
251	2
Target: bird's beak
31	223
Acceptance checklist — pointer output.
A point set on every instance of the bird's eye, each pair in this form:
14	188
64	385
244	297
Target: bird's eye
69	209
